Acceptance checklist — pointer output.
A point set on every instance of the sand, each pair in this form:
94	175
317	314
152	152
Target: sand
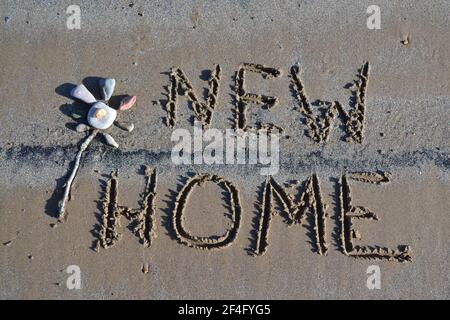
406	133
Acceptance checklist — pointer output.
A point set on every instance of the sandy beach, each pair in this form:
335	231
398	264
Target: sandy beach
404	146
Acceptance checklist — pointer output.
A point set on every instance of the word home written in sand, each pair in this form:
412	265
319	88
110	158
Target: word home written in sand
275	200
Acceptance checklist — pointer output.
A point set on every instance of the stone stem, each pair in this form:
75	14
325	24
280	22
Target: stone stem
62	215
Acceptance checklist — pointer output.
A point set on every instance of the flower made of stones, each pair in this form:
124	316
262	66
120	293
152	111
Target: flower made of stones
100	115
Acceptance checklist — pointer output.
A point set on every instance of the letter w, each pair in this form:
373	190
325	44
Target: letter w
319	126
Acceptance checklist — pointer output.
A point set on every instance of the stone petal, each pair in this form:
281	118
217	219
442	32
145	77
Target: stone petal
127	102
129	127
110	140
107	87
80	92
103	122
82	127
125	126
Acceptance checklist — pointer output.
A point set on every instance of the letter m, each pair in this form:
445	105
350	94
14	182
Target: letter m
294	211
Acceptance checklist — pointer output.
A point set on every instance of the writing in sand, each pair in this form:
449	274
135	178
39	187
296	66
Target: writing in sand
293	204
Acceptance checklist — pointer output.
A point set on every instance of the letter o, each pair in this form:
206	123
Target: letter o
210	242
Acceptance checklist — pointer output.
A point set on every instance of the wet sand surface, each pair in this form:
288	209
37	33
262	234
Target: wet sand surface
406	133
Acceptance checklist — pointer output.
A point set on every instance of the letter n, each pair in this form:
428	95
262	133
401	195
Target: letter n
180	83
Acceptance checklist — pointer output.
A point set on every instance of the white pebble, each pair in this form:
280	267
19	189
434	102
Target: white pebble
110	140
80	92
